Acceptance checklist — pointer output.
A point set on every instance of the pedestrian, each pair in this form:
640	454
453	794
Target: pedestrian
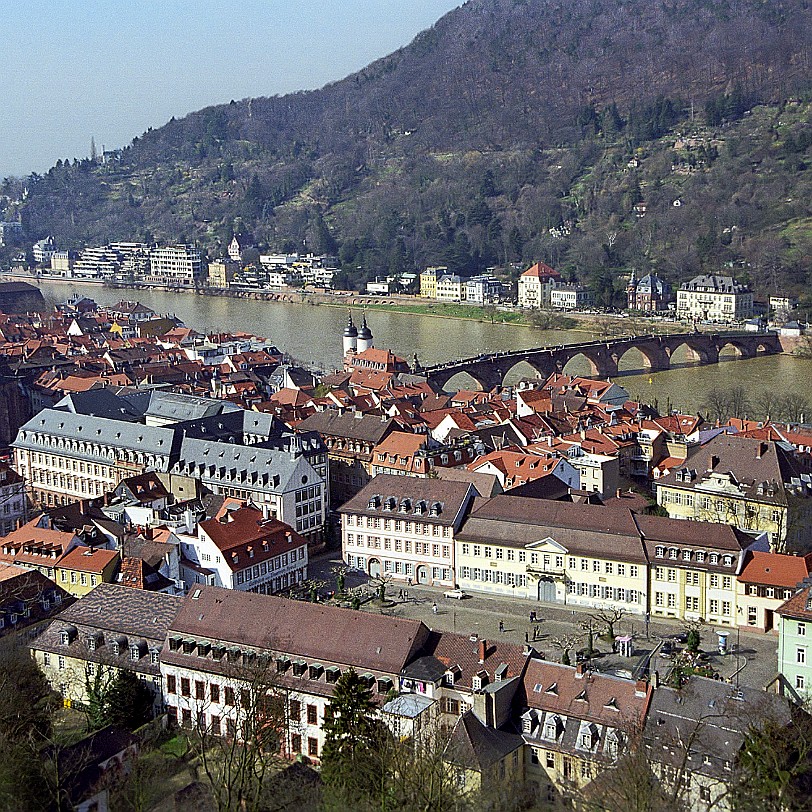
501	627
527	637
434	608
400	595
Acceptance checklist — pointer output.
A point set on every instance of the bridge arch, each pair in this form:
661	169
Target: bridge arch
734	347
636	357
692	351
525	368
580	363
464	379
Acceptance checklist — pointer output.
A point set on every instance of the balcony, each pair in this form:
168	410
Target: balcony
547	570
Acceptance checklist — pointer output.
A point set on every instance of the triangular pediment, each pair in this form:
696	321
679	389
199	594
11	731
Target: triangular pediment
548	545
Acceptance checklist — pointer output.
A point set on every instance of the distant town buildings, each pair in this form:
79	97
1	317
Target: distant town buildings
536	285
650	294
714	298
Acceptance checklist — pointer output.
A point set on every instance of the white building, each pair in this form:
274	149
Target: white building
482	290
404	527
176	265
450	288
241	548
714	298
43	251
569	297
535	285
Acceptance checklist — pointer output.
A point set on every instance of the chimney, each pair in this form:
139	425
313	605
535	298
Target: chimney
761	450
288	537
713	462
655	679
579	671
619	493
640	688
482	647
528	650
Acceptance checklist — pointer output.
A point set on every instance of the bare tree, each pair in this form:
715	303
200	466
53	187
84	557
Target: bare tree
565	642
609	617
239	745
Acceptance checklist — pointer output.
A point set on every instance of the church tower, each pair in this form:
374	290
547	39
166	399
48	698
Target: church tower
631	292
364	336
350	336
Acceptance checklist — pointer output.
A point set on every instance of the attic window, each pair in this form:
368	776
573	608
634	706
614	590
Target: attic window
553	689
581	697
436	509
728	561
611	703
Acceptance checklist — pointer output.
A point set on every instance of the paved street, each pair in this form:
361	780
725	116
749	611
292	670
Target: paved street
754	659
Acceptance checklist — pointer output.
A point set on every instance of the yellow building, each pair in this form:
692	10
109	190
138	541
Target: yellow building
113	628
428	282
693	568
556	552
575	725
84	568
751	484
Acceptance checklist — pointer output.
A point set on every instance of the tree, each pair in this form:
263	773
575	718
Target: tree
775	764
716	404
237	753
591	627
351	733
129	701
566	643
609	617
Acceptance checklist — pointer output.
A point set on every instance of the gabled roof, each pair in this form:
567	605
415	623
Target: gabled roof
774	569
542	271
475	746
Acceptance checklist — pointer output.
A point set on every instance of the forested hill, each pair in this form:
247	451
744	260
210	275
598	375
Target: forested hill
502	134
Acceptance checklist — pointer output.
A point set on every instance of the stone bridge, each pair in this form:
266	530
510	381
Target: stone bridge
489	370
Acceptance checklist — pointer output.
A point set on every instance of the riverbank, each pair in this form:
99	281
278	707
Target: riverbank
603	325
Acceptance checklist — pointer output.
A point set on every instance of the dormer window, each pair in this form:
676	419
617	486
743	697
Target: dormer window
552	727
478	681
587	738
714	558
659	552
728	561
673	553
553	689
135	652
700	556
686	555
528	721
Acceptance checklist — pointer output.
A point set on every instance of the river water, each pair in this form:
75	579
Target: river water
312	334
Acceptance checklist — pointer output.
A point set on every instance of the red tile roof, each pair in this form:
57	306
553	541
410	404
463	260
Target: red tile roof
774	569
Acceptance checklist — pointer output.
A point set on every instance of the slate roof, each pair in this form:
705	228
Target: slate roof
122	609
355	426
475	746
180	408
582	529
710	719
325	634
402	497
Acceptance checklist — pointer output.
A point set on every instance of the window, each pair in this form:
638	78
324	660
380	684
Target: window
215	725
633	571
800	656
800	681
727	582
714	581
171	684
200	689
672	601
214	692
549	759
609	568
185	686
46	658
802	629
312	715
725	607
296	743
229	695
312	746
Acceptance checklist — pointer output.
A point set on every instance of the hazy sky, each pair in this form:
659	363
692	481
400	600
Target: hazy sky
72	69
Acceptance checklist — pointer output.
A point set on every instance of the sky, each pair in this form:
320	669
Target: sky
73	70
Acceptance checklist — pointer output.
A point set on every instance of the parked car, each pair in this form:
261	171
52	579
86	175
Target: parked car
667	648
455	593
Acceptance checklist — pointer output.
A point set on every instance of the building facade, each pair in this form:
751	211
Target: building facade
714	298
404	528
176	265
535	285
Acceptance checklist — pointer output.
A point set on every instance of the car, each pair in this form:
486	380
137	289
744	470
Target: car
667	649
455	593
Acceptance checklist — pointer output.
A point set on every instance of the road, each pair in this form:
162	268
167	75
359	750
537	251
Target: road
755	659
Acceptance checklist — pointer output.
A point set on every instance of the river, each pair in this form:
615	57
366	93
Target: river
312	334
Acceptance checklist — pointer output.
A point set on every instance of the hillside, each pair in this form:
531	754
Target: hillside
511	130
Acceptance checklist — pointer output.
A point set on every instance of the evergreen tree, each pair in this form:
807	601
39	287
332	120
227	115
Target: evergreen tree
352	735
129	701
